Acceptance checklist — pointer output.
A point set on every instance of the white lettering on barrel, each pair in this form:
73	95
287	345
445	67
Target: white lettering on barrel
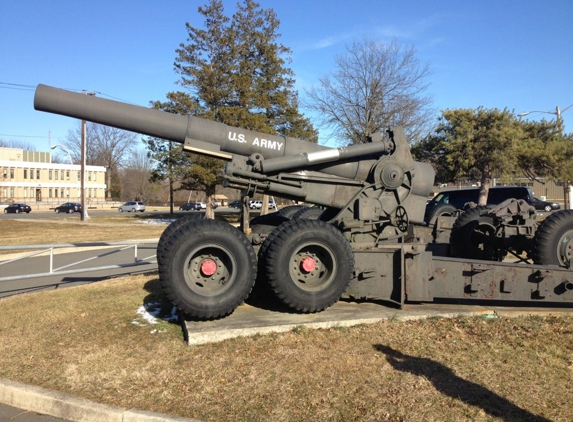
267	143
237	138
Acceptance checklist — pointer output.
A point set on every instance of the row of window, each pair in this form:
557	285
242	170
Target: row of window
52	193
52	174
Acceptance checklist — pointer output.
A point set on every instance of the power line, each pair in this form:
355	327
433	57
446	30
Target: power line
22	87
24	136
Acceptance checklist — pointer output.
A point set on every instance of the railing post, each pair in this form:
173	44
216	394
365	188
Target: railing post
51	260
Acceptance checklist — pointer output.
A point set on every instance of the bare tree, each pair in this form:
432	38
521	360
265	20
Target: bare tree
105	146
135	177
17	144
374	86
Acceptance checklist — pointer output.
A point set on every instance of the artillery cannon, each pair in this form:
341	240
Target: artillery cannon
367	243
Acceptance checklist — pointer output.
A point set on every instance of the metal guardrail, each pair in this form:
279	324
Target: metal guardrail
40	250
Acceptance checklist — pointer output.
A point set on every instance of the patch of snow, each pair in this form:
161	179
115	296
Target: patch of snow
150	314
157	221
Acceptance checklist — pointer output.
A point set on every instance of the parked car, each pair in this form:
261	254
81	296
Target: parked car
132	206
255	205
191	206
235	204
540	204
17	209
69	207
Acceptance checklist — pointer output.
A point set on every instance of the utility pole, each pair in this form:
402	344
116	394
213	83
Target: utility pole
84	214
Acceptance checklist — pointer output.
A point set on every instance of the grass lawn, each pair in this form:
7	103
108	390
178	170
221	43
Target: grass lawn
91	341
94	341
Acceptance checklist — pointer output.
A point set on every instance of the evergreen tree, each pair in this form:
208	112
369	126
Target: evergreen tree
235	72
477	143
547	152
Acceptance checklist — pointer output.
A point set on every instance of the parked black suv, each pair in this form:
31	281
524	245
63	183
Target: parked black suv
449	201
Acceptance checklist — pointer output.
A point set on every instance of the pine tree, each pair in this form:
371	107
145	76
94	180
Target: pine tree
235	72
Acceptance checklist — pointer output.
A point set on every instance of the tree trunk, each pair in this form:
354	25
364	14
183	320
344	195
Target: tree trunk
485	184
210	193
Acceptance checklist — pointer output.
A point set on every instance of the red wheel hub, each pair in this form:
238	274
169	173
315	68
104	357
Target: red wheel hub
308	264
208	267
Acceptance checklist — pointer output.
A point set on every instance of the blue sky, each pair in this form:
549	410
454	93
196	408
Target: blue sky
514	54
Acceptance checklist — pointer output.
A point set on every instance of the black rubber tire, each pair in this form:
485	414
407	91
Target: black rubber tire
172	228
17	211
70	211
312	213
120	210
314	290
57	211
439	210
180	272
472	236
547	208
291	210
262	292
554	240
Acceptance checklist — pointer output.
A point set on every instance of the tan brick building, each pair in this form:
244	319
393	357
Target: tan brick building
31	177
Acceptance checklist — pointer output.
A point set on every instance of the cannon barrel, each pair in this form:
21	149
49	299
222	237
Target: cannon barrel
205	136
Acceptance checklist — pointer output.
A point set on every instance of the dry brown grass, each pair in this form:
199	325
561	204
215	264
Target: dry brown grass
72	230
82	341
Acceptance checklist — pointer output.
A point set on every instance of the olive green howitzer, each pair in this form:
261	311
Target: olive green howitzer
366	200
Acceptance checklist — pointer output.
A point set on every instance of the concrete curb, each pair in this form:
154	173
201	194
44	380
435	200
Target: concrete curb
66	406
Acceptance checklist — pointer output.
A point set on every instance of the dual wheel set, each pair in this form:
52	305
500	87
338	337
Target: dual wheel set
477	235
208	268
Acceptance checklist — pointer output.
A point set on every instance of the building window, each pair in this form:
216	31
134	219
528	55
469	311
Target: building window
62	175
50	174
68	193
11	173
11	192
37	173
5	193
61	193
95	176
5	173
89	176
56	192
31	173
79	178
56	172
68	175
49	193
25	173
25	192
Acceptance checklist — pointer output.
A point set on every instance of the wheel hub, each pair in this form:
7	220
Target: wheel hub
307	264
208	267
566	249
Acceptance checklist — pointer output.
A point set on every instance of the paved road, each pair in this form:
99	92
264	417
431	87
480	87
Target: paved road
9	413
77	259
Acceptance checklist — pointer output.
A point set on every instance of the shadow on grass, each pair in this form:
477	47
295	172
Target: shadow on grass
448	383
157	304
